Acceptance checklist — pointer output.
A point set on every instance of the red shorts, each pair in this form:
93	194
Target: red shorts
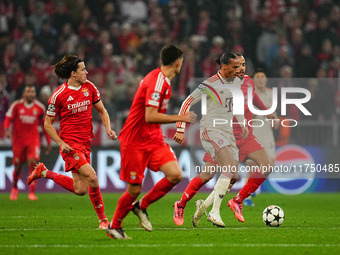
21	153
134	161
78	157
245	147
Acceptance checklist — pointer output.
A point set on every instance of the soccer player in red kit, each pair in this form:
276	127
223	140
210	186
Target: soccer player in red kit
26	114
142	143
249	147
73	101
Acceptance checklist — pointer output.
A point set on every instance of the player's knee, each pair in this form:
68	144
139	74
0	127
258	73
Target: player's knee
175	178
134	190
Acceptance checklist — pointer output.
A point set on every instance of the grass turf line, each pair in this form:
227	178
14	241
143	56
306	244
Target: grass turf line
66	224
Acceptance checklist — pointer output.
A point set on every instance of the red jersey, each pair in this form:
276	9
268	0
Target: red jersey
25	118
74	106
155	91
248	115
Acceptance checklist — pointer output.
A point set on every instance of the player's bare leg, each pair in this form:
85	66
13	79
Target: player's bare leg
195	184
16	176
87	178
31	195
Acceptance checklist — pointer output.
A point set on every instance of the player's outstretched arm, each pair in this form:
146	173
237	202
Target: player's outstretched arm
48	125
105	119
153	116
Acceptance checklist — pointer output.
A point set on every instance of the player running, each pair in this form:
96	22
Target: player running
249	148
217	140
73	101
26	114
197	182
265	133
142	143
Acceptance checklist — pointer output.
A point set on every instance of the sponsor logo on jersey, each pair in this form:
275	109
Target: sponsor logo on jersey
133	175
76	156
28	119
78	104
155	96
70	98
85	91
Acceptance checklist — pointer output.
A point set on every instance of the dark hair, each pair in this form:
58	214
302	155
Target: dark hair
238	54
259	70
30	86
65	66
225	58
169	54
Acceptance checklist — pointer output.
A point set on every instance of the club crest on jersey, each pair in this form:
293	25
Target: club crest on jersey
155	96
76	156
35	112
85	91
220	141
133	175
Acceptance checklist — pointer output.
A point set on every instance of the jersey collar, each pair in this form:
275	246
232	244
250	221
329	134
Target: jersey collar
166	78
73	88
28	105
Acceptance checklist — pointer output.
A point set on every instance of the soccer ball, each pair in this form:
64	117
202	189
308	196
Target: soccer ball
273	216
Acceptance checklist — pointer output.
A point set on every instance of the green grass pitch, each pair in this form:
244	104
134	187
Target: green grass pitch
66	224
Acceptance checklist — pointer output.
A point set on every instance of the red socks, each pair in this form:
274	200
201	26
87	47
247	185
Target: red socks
190	191
124	206
16	177
157	192
254	182
97	201
34	183
62	180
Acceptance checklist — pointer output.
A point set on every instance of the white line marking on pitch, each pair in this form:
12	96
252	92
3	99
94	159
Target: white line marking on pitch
165	245
161	229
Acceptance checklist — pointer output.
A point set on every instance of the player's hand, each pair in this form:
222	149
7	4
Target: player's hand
245	132
111	134
65	147
190	117
272	116
48	149
7	133
179	137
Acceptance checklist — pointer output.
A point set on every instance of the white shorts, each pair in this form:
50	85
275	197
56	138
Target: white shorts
214	140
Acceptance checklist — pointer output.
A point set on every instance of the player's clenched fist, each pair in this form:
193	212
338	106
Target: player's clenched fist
179	137
111	134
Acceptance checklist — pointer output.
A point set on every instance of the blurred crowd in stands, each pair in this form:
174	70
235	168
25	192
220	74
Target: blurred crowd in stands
120	42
